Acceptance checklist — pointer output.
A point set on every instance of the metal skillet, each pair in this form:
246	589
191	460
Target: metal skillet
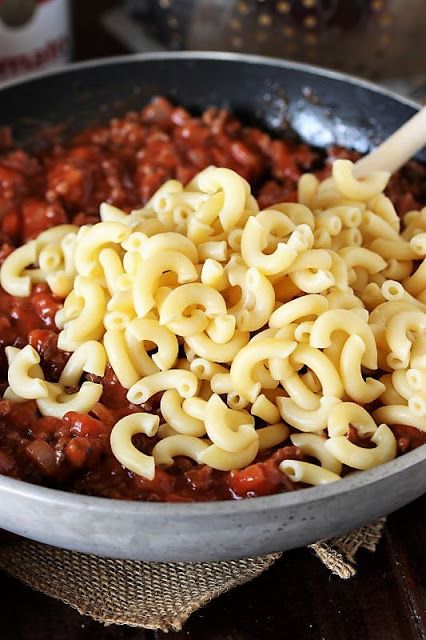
323	108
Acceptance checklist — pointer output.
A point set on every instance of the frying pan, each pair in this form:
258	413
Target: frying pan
323	108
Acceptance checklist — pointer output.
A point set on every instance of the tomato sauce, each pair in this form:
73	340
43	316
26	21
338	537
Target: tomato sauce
123	163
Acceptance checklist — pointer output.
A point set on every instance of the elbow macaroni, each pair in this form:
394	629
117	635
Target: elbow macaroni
298	315
123	448
20	374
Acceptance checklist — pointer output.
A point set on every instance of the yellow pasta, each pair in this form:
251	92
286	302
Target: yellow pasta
119	358
363	189
360	457
396	248
272	435
21	376
235	191
344	414
147	279
302	238
89	357
200	295
265	409
12	277
306	189
383	207
360	390
347	238
306	420
313	281
213	274
58	403
184	381
298	213
390	395
321	366
145	330
373	226
418	352
168	241
313	445
361	257
399	414
222	460
123	448
248	324
202	345
176	416
322	239
222	328
307	472
89	246
397	338
88	324
178	445
253	353
112	267
254	241
257	299
418	244
310	305
348	321
229	429
55	235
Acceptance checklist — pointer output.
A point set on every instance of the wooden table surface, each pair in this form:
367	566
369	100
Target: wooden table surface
297	598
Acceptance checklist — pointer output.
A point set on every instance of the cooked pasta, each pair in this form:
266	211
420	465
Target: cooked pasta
245	322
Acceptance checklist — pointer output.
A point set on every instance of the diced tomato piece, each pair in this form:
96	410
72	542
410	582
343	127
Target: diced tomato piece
39	338
77	450
22	415
162	484
46	305
45	426
258	479
38	215
10	225
114	395
408	437
81	424
200	478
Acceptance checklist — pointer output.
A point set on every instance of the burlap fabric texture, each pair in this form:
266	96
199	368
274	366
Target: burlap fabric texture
155	595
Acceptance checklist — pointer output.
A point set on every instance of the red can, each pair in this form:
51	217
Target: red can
34	35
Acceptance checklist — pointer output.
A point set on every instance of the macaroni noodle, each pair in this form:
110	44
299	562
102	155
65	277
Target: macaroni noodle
257	329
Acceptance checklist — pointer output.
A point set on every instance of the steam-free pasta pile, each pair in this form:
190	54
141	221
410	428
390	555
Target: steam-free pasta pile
304	322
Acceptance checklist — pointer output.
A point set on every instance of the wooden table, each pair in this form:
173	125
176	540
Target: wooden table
297	598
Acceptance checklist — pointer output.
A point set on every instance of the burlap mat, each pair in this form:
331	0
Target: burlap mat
155	595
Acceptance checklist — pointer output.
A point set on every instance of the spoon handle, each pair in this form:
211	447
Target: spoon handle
397	149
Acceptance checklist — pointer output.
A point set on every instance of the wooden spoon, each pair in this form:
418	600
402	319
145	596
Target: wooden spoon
397	149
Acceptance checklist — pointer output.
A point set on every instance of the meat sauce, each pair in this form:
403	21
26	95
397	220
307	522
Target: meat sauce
124	163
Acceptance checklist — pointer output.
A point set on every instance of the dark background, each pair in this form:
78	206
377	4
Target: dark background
298	598
90	40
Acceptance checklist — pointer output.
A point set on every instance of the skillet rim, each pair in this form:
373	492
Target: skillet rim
225	56
355	481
